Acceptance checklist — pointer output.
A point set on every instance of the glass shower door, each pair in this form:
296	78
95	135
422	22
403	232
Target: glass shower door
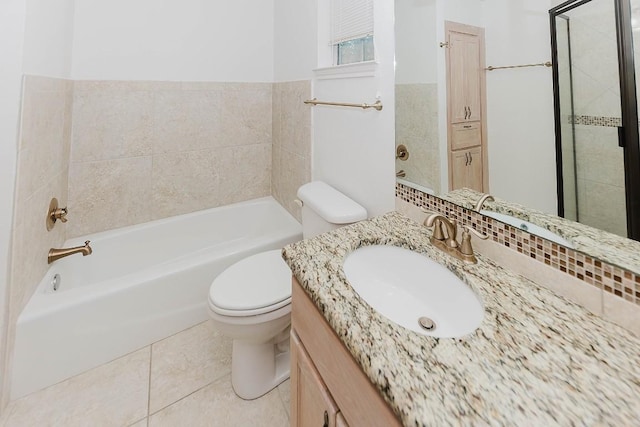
589	117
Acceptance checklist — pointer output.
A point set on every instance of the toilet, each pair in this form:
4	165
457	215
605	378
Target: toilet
250	301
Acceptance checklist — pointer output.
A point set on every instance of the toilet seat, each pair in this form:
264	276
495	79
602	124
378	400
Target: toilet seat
255	285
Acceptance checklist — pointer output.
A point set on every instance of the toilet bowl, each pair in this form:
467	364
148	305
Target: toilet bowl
250	301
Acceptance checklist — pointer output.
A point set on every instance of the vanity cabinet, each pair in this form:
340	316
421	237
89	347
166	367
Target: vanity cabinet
467	169
328	388
314	404
465	75
466	89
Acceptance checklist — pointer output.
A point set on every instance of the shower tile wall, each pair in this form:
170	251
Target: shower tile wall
43	166
599	160
148	150
291	142
417	129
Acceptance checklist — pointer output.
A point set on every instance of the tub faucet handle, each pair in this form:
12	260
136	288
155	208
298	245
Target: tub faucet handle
61	214
55	213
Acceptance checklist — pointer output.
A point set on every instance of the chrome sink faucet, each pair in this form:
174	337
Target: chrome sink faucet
484	198
444	237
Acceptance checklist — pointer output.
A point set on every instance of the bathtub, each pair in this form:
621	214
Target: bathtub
141	284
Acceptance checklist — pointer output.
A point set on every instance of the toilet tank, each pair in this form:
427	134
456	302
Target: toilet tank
324	209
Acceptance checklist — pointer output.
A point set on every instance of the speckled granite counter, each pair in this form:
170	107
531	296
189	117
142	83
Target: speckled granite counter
608	247
536	359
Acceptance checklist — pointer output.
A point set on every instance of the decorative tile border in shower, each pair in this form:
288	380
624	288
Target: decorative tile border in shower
596	121
612	279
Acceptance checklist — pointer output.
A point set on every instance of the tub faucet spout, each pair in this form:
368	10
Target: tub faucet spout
56	254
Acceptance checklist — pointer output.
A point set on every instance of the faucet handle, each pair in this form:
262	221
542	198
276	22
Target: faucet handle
61	214
55	213
465	247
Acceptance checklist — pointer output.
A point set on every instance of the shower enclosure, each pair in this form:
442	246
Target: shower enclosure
596	112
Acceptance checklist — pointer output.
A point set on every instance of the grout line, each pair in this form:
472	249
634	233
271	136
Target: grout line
149	383
179	332
141	419
286	407
193	392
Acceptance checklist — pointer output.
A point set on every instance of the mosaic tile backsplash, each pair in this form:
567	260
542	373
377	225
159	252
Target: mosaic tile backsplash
613	279
596	121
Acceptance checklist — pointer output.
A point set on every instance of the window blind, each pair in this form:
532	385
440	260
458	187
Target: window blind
351	19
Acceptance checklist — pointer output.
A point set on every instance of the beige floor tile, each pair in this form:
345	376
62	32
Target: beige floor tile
114	394
285	394
186	362
217	405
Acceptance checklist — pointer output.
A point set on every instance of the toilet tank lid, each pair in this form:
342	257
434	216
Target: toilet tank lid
330	204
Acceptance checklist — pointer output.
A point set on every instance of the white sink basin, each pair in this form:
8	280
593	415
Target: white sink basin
528	227
405	286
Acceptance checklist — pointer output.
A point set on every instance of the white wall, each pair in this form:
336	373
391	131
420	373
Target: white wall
353	149
520	104
12	22
416	41
48	38
174	40
463	11
295	39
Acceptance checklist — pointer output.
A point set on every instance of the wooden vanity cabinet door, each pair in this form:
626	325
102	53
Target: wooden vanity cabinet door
311	403
359	401
467	169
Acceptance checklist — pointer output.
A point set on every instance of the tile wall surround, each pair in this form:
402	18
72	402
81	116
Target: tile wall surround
42	173
143	151
417	128
291	148
119	153
620	287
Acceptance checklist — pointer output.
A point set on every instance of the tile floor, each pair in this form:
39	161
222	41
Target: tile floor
183	380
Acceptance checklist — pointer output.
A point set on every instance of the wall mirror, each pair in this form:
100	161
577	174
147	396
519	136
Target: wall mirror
595	93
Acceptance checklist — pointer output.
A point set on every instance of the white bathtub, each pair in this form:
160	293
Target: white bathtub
141	284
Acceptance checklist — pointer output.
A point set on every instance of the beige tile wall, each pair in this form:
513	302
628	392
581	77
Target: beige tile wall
417	129
149	150
291	142
43	164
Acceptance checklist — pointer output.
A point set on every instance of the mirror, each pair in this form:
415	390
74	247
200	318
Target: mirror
521	134
417	118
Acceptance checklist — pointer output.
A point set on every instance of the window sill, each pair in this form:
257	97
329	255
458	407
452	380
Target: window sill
347	71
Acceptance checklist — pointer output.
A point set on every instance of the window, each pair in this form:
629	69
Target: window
352	31
357	50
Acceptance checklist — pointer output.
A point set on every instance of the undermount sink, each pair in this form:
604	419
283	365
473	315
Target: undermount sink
413	291
528	227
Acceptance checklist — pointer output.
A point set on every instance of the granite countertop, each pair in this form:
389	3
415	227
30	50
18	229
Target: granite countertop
599	244
536	359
